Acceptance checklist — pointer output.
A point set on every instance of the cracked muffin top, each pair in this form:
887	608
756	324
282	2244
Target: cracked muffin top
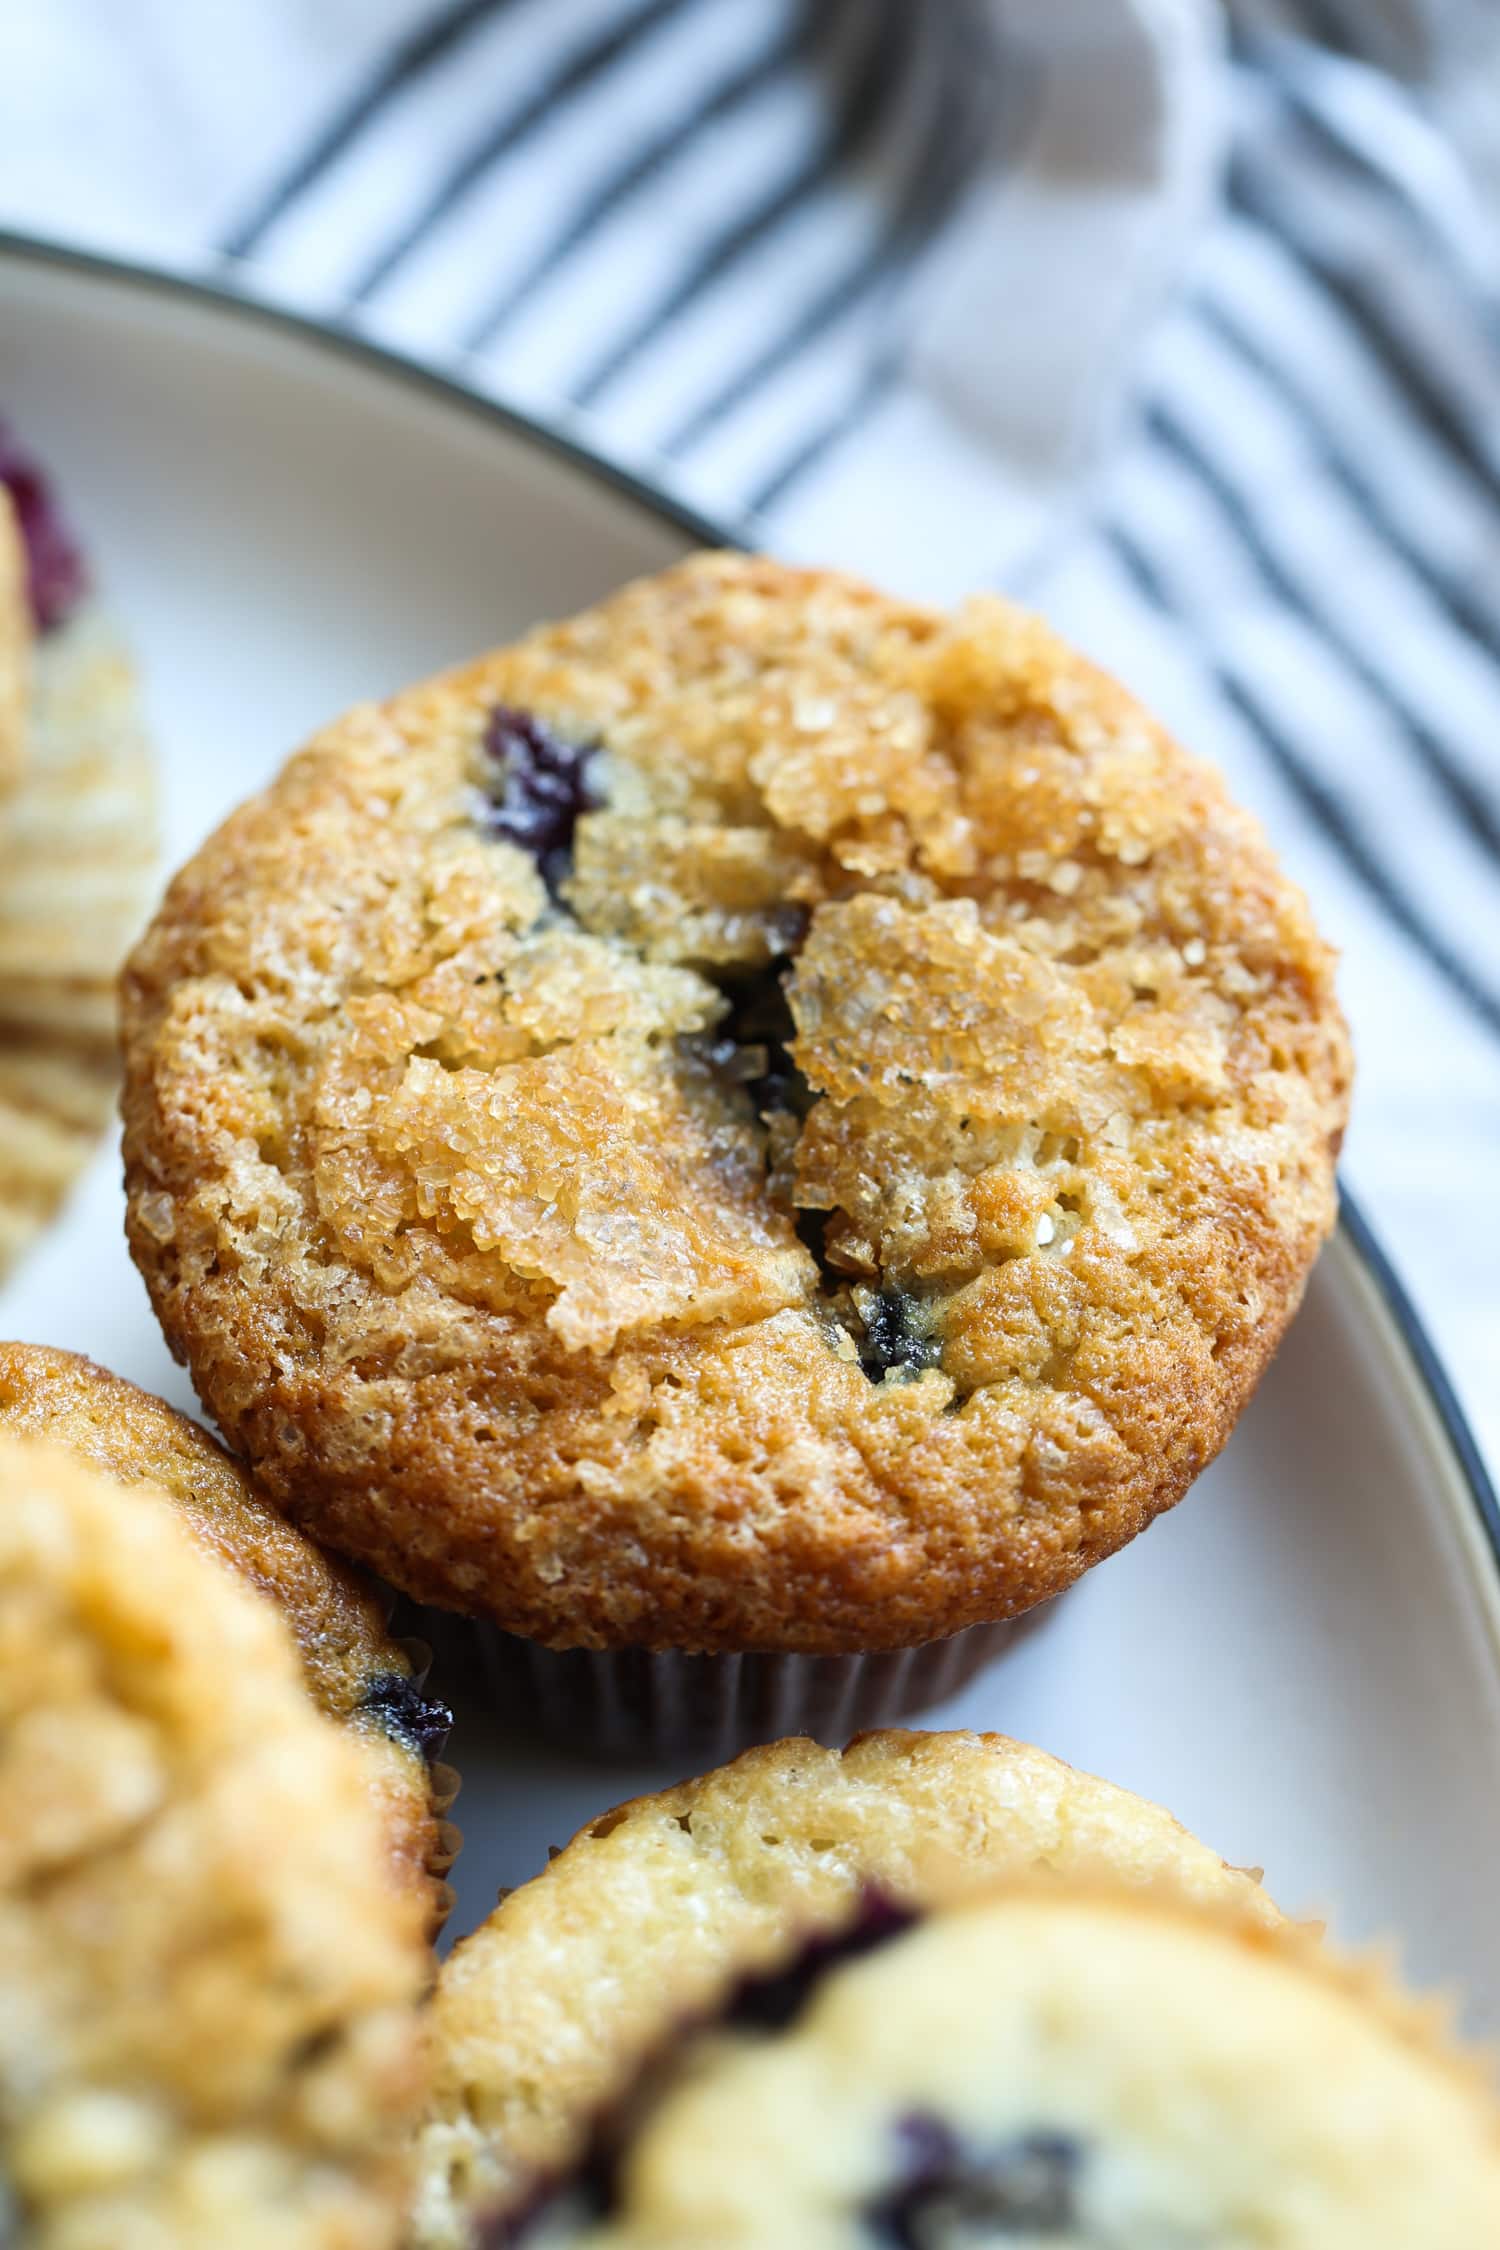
1044	2066
208	1980
758	1117
541	2017
354	1670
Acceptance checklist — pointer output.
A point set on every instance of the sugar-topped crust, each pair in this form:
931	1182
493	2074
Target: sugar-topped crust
208	1978
356	1672
831	1192
544	2012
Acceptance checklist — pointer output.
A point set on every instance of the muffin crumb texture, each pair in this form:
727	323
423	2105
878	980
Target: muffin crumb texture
1046	2066
541	2017
353	1669
209	2029
759	1117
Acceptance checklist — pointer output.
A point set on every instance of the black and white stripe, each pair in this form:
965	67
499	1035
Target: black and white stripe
698	220
1328	400
718	155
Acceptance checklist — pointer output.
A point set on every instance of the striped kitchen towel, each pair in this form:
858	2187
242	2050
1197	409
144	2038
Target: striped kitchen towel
1187	331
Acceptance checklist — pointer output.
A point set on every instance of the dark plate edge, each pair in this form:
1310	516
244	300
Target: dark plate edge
1435	1379
380	358
347	343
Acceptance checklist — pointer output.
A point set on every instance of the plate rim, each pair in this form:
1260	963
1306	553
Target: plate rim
342	340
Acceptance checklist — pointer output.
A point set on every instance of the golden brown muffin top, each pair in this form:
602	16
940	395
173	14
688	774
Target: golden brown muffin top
355	1671
759	1117
542	2015
207	1977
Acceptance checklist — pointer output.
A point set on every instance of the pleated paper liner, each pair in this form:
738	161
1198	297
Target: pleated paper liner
77	869
78	834
56	1098
649	1705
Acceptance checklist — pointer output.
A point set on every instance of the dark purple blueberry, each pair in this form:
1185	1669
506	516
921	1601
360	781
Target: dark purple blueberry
771	2003
591	2191
945	2191
540	790
812	1233
407	1715
895	1337
760	1025
553	2210
57	577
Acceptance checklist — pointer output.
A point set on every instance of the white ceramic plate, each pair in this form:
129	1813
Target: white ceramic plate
1303	1661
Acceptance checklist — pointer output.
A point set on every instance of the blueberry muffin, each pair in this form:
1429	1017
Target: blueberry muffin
760	1119
208	1980
540	2014
355	1671
1044	2066
77	850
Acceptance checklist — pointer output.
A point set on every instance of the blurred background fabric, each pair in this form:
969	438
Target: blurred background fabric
1181	322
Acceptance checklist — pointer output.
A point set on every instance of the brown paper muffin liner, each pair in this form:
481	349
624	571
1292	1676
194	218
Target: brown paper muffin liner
650	1704
77	868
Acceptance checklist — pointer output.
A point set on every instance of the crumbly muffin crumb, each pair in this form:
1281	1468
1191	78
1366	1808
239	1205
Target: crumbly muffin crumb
1049	2066
207	1978
356	1673
654	1908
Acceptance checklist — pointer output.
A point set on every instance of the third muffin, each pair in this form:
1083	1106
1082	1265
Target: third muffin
208	1984
761	1121
355	1672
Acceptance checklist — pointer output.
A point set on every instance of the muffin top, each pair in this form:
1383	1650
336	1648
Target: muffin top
759	1118
544	2013
1047	2067
355	1671
207	1976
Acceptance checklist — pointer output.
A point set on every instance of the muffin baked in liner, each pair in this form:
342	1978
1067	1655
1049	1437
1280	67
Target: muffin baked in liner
761	1121
355	1672
1043	2062
77	852
636	1703
541	2016
208	1976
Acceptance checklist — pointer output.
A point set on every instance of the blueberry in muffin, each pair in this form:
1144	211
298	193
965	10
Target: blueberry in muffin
542	2015
758	1119
1042	2065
